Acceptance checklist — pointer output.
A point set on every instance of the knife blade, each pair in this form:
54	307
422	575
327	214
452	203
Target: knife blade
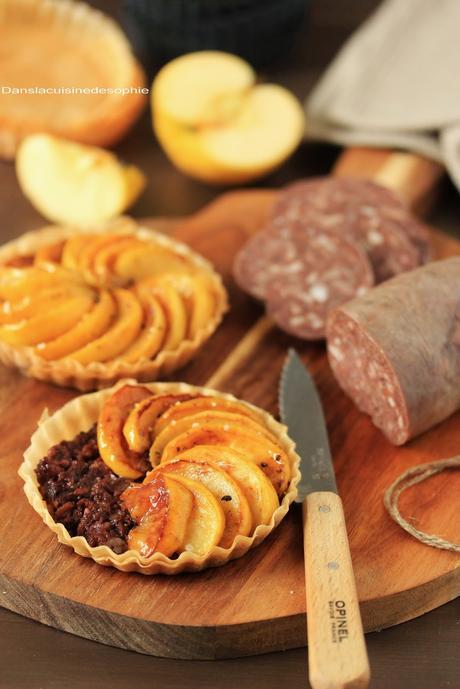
300	403
337	656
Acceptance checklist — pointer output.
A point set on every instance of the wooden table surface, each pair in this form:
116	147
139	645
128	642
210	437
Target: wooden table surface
421	654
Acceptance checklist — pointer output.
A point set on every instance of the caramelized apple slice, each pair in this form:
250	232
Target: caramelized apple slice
201	404
256	447
162	508
258	490
147	260
199	298
238	518
49	254
206	525
111	442
119	336
204	304
173	305
151	337
140	423
202	418
39	302
89	328
73	248
61	316
17	283
23	261
89	252
104	260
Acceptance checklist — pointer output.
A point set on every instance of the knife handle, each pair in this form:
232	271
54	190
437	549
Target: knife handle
336	647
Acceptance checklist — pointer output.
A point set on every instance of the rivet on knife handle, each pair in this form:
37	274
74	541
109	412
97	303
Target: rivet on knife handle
336	647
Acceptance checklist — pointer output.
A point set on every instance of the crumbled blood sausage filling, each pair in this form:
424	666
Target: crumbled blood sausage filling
83	494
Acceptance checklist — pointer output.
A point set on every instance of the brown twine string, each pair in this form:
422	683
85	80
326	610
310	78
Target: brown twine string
409	478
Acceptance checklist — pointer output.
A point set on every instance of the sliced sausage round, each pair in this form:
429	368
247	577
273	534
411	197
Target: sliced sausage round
360	210
333	270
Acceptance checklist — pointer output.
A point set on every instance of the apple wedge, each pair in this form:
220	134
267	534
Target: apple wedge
173	305
61	316
121	334
140	423
90	327
110	439
162	508
202	404
227	419
258	490
238	518
217	124
206	524
75	184
268	455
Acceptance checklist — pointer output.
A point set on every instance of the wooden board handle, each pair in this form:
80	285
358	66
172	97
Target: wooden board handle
414	177
336	647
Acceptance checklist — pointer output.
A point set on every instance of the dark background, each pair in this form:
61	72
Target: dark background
421	654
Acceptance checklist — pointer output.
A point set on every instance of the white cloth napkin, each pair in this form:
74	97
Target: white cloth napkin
396	83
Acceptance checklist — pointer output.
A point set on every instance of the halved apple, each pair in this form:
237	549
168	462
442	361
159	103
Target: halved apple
50	253
122	333
238	518
257	448
91	326
216	124
146	260
173	305
71	183
154	328
162	508
202	87
206	524
258	490
111	442
201	404
61	316
140	423
227	418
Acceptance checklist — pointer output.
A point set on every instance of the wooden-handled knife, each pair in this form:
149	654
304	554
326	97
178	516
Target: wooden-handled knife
337	654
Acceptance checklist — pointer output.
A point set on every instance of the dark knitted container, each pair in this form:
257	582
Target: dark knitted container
260	31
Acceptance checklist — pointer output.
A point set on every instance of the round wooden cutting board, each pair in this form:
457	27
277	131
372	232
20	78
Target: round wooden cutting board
255	604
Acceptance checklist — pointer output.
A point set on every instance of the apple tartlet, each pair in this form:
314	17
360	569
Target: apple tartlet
85	309
163	477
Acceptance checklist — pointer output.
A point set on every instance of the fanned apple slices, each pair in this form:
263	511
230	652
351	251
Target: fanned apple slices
111	302
219	470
